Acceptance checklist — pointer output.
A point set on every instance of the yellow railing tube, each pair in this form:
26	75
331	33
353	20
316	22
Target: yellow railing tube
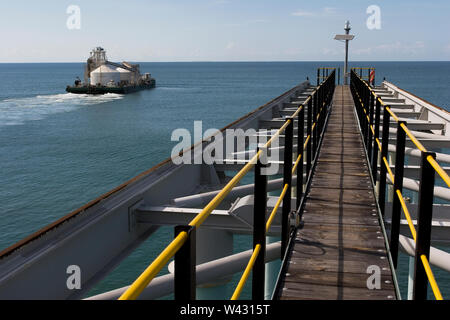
240	286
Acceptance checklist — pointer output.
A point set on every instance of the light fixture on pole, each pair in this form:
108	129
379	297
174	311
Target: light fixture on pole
345	37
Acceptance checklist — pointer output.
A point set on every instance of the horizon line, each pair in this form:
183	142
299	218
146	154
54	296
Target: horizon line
228	61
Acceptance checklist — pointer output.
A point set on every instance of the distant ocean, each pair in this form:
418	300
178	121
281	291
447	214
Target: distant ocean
60	150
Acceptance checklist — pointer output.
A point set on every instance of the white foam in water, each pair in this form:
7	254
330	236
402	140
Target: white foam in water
18	111
177	88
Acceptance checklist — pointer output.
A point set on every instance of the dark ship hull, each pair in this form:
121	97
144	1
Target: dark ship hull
105	89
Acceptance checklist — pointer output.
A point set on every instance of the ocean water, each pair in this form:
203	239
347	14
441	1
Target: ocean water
60	150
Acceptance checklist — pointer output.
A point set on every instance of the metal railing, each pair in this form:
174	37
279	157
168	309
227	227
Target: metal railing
362	72
183	245
368	108
324	72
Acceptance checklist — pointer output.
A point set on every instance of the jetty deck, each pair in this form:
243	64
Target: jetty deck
332	255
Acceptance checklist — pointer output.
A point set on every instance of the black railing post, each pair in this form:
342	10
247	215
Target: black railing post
424	219
287	179
259	227
318	76
300	142
357	99
398	185
339	76
375	143
185	260
384	154
315	100
326	97
316	118
334	81
315	112
361	105
363	114
323	101
371	111
366	115
308	133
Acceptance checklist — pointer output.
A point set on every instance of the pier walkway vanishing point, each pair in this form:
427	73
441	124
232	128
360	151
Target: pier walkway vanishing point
341	244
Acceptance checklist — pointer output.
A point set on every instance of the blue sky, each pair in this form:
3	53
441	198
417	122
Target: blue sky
223	30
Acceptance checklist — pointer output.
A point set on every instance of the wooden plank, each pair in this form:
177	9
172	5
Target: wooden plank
339	279
336	184
351	243
334	169
330	232
336	220
305	291
344	196
326	208
356	243
306	249
334	158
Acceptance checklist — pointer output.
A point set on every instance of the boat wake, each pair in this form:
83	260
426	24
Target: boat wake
178	88
17	111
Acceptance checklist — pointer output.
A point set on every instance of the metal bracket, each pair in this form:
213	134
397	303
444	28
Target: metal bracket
132	215
294	219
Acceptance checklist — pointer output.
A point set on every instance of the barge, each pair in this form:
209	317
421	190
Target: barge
102	76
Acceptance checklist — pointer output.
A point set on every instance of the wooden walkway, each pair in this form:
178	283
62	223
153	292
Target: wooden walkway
342	236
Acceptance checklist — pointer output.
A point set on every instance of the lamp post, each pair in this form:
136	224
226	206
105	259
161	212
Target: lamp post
347	37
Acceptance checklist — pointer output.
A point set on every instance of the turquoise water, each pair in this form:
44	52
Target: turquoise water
59	150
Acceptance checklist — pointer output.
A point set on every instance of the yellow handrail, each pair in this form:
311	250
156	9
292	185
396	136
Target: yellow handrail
388	169
439	170
413	138
296	163
433	283
277	205
152	270
426	265
306	141
407	214
378	143
201	217
393	115
251	263
300	108
371	127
